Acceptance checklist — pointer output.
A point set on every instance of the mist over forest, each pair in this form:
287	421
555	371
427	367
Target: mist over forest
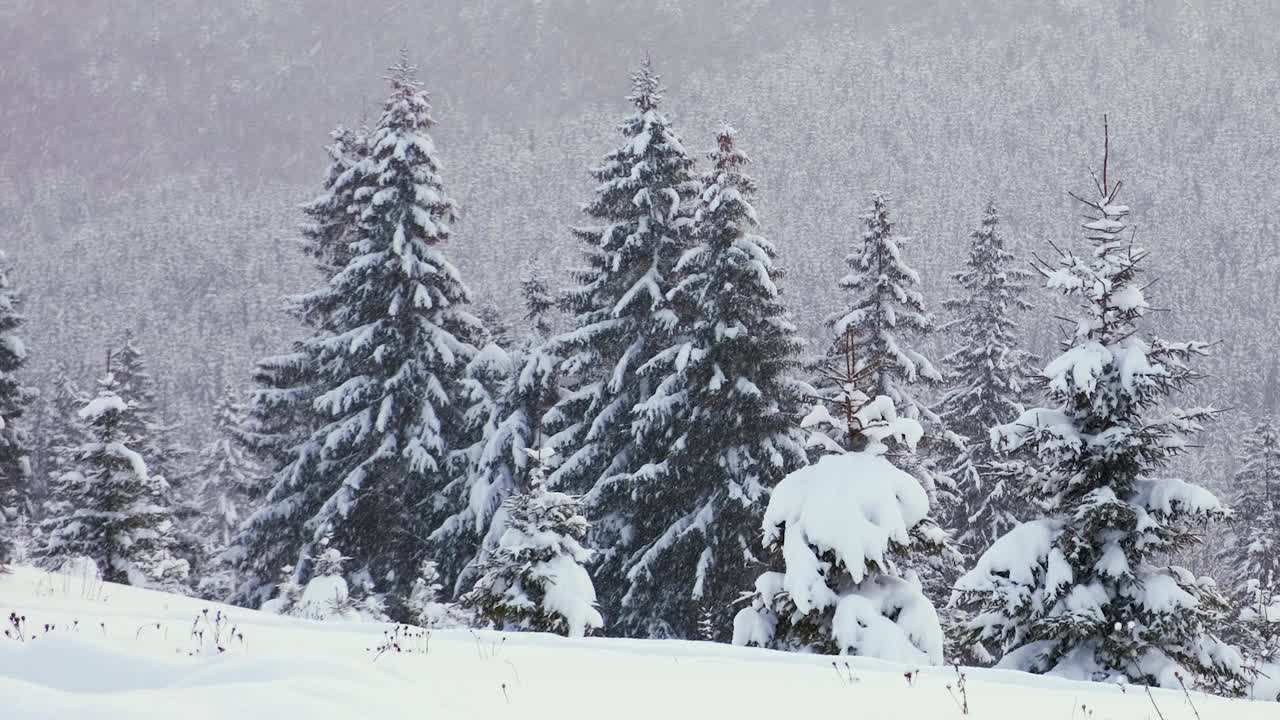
157	154
943	333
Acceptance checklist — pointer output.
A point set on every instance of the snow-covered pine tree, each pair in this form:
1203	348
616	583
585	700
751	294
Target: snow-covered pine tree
57	430
846	529
15	399
332	217
327	596
497	331
508	393
877	337
226	473
1086	591
1252	557
989	378
167	455
110	507
426	606
886	317
387	367
280	415
725	407
534	579
135	384
540	306
621	318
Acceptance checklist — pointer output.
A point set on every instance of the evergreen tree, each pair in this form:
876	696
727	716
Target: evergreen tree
15	399
333	216
226	474
386	367
846	530
508	393
483	474
540	306
425	605
280	415
136	385
110	507
1086	591
167	456
875	341
621	319
497	331
725	408
534	579
1252	557
989	377
56	429
886	317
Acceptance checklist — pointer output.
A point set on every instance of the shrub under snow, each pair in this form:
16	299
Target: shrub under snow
841	526
534	579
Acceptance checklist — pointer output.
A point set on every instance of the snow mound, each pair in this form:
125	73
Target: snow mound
856	505
569	594
291	668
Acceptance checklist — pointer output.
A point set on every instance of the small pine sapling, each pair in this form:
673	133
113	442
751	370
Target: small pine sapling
534	579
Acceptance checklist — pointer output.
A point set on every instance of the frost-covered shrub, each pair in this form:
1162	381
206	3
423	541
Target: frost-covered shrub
842	526
327	595
424	604
534	579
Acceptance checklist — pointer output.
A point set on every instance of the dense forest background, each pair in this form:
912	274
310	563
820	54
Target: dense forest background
155	156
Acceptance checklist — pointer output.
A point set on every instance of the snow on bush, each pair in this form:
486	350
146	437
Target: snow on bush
327	595
534	579
424	604
841	526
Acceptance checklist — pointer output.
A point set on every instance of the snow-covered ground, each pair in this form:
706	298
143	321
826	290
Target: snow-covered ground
118	652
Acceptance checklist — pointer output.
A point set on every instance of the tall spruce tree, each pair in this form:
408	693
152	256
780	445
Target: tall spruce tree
332	216
280	415
15	399
875	346
387	364
621	319
135	384
725	407
886	317
226	474
1086	590
167	455
56	430
109	506
989	378
1252	557
508	392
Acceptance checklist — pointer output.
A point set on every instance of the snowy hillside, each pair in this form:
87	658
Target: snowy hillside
119	652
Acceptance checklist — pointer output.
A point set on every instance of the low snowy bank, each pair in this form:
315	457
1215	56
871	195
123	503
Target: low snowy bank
118	653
